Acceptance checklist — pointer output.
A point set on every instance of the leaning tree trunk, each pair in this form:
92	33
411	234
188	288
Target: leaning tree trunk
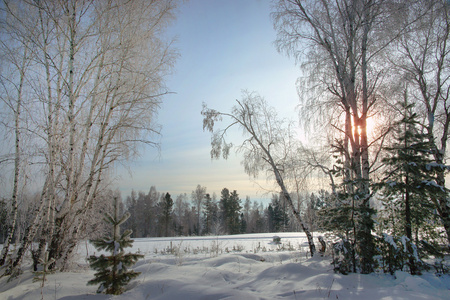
269	159
287	196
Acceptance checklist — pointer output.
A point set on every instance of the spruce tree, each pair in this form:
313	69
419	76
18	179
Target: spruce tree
234	213
407	179
112	270
166	208
230	211
279	217
341	215
211	214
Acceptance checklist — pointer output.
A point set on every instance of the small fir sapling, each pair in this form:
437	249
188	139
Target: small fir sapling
112	270
42	274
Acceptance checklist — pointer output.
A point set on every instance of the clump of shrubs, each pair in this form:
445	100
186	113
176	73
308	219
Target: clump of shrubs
276	239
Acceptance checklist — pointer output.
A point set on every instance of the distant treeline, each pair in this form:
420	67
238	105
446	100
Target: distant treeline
157	214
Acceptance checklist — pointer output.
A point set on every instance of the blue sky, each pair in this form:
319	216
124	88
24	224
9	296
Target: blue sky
225	47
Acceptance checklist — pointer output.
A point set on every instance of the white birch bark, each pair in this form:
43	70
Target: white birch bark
19	56
104	80
17	161
263	132
348	36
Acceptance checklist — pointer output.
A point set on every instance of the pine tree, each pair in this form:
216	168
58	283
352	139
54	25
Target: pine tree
166	207
229	211
112	270
210	216
406	184
314	203
242	224
277	216
234	213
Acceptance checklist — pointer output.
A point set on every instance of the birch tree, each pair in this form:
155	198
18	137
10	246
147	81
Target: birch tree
98	75
17	158
16	59
340	41
198	195
266	145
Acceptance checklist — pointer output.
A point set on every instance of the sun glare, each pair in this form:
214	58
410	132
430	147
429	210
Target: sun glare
371	124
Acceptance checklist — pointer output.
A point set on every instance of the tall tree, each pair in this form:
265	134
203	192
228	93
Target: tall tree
230	211
313	205
256	222
268	142
277	217
198	196
410	176
342	39
166	207
234	213
96	77
180	208
16	51
246	212
131	206
422	55
211	214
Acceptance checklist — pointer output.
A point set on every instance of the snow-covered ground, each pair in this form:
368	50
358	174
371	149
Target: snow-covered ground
230	267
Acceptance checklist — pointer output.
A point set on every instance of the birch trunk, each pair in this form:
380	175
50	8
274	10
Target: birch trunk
51	144
365	242
264	130
98	74
279	179
287	196
29	234
17	161
61	223
71	109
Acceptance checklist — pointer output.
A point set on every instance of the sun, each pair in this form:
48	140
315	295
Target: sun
370	127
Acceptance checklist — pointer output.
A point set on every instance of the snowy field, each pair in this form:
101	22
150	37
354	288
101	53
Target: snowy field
230	267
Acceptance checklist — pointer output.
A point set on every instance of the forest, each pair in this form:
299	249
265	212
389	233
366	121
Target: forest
157	214
82	82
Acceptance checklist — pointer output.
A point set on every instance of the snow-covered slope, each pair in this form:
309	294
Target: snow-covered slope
232	267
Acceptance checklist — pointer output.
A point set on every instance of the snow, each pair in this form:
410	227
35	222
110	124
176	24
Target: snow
433	183
390	240
391	183
231	267
116	248
435	165
405	241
